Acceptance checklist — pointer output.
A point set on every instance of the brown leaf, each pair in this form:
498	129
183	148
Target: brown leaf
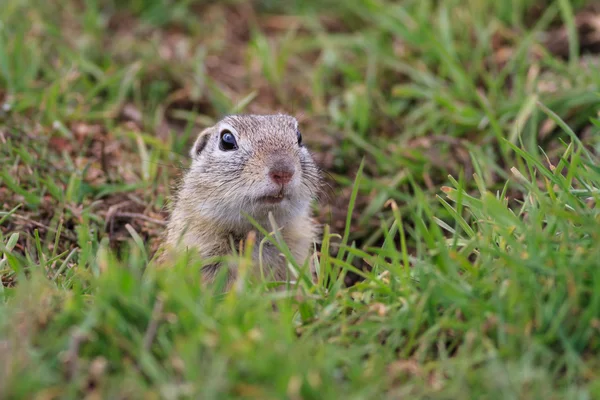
61	144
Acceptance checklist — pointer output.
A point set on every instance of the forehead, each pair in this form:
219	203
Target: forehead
262	123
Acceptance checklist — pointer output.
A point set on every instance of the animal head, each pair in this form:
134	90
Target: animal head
252	164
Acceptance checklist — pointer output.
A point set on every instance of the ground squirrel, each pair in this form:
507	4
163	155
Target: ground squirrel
253	164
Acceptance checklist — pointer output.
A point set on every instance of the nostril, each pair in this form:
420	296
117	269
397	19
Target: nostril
281	173
281	177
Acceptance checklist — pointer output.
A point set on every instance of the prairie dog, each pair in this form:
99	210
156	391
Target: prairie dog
253	164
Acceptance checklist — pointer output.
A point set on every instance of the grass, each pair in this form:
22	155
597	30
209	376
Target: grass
473	221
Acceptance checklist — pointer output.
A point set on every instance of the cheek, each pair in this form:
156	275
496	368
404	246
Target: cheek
227	164
255	171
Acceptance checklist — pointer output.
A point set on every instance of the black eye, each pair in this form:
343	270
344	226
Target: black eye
227	142
299	138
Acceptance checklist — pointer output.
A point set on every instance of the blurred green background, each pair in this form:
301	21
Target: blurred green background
477	118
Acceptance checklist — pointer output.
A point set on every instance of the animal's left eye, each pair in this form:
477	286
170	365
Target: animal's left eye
299	138
227	142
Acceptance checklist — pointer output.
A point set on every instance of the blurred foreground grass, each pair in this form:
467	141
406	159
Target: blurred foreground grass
477	119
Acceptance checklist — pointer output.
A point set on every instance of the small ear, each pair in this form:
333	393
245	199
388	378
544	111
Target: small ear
200	143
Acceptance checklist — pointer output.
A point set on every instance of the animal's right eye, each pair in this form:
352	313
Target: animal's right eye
227	142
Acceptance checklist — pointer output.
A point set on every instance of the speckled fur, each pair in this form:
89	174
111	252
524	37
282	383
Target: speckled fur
220	185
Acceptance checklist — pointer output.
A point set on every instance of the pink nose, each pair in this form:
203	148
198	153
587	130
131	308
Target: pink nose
281	172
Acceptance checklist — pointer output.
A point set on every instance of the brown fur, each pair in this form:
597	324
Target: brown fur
220	186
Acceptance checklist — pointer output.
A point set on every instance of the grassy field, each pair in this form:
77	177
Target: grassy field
460	255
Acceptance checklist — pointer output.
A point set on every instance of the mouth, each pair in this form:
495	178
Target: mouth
278	198
275	198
